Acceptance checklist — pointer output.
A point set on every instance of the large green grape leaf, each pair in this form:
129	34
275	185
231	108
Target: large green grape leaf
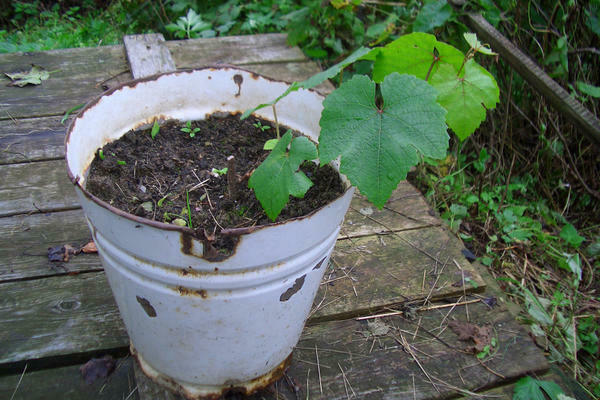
528	388
278	176
466	97
415	54
378	145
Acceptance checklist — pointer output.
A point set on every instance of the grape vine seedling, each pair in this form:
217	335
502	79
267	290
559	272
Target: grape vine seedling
381	126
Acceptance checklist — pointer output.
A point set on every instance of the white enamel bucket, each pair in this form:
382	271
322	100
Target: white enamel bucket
198	326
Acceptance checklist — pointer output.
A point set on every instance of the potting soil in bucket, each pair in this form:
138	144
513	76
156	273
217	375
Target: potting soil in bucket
199	322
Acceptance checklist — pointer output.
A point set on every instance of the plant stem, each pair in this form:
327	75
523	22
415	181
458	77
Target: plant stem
189	210
232	179
436	58
276	122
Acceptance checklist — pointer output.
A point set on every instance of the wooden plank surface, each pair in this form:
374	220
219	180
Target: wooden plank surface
58	316
148	55
239	50
76	75
31	139
25	239
352	359
67	383
34	187
373	272
81	74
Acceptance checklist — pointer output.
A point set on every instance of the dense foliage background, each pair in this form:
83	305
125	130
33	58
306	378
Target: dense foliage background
523	192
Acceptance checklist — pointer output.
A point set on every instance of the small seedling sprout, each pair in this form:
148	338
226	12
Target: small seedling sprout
155	129
188	129
101	154
260	126
217	172
121	162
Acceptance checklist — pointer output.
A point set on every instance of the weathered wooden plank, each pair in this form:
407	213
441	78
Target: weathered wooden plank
238	50
406	209
148	54
58	316
76	76
31	139
373	272
32	187
81	74
350	359
66	383
24	240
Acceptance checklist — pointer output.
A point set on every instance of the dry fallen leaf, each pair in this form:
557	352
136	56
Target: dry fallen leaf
34	76
480	336
97	368
90	247
61	253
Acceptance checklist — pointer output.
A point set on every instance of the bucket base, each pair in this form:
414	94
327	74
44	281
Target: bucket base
210	392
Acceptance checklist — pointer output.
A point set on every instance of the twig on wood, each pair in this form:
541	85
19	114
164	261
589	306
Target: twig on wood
400	237
18	383
346	381
499	375
407	347
462	273
435	307
319	370
131	393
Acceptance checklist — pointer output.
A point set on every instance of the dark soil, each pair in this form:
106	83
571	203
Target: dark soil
152	178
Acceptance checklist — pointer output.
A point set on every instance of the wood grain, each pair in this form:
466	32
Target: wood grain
79	75
58	316
66	383
34	187
148	55
25	239
370	273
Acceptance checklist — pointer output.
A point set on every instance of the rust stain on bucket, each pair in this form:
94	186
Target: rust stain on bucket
146	306
298	283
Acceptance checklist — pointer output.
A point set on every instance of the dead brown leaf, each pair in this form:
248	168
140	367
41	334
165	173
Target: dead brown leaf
97	368
480	336
90	248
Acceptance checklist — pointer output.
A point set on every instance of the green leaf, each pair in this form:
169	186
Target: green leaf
588	89
528	388
571	262
433	14
34	76
536	308
379	145
570	235
69	111
414	54
155	129
476	45
270	144
466	97
278	176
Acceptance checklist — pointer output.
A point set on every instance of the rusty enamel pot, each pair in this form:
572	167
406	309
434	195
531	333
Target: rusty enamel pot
204	327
